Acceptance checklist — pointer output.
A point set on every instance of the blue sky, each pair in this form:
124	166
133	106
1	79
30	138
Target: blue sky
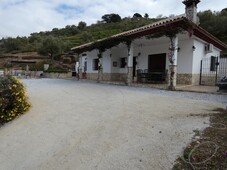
23	17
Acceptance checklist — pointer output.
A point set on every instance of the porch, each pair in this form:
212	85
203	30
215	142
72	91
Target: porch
143	61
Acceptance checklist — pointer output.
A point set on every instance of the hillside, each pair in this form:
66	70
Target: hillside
65	38
72	35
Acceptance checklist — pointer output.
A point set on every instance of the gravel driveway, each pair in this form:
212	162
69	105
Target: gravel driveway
85	126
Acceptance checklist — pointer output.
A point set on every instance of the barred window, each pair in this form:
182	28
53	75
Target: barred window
213	63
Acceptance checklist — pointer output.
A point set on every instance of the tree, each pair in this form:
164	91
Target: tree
215	23
51	46
109	18
146	15
74	30
15	44
81	25
137	16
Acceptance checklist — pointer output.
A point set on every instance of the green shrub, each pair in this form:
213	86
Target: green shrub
13	99
39	66
56	70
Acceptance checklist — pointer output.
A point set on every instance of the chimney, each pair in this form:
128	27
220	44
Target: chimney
191	10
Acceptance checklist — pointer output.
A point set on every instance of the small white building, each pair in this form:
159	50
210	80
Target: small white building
141	55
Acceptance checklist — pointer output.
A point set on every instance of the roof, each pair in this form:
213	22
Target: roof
174	22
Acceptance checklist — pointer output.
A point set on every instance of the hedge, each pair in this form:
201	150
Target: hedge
56	70
13	99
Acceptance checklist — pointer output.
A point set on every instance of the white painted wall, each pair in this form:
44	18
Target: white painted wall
117	54
149	50
106	62
184	62
188	60
89	58
199	54
82	61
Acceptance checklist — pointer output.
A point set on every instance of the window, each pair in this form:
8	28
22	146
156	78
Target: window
95	64
123	62
213	63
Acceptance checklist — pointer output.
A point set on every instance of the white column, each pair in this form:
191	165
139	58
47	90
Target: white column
175	50
173	66
80	67
100	64
130	65
130	56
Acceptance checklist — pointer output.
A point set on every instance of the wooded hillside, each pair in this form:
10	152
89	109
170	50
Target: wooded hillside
57	40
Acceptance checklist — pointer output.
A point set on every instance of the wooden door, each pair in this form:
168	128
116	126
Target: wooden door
157	62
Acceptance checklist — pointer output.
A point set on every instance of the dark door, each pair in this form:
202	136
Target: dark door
134	66
157	62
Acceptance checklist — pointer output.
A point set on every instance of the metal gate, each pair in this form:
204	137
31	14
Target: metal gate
209	71
212	69
222	69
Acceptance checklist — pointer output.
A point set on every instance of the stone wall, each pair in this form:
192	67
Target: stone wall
35	74
108	76
208	80
188	79
184	79
114	77
58	75
195	79
92	76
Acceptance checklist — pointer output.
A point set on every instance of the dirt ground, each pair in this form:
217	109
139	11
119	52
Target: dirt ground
80	125
208	149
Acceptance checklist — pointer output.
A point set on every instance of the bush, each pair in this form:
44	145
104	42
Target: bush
56	70
39	66
13	99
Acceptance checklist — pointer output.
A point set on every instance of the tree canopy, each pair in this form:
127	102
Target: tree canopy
81	25
52	46
137	15
109	18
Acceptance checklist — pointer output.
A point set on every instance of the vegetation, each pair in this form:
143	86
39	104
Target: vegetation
215	23
39	66
110	18
61	39
58	40
13	99
52	46
56	70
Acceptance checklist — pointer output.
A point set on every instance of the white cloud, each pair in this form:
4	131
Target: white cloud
22	17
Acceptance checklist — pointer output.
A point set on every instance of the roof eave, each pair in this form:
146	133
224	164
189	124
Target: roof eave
178	22
206	36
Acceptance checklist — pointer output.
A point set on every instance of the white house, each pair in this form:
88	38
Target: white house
141	55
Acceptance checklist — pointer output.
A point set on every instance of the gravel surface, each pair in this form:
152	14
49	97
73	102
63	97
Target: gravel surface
214	98
83	125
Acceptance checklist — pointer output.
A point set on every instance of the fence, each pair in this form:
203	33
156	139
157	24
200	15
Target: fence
212	69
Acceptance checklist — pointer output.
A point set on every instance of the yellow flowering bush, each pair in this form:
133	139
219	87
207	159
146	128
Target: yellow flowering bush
13	99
